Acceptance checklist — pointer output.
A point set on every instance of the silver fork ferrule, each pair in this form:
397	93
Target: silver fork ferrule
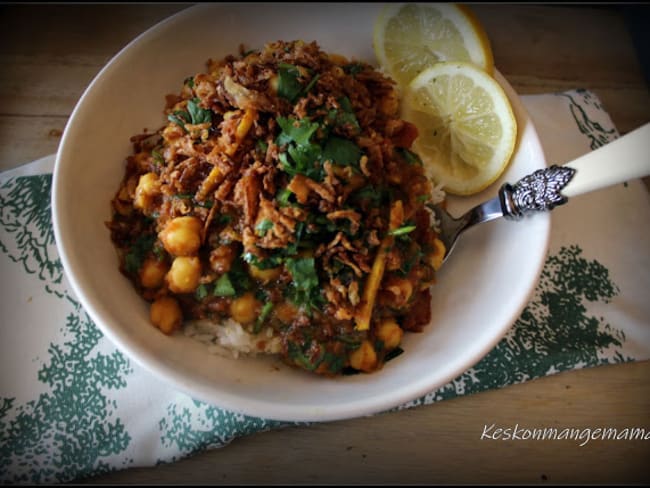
539	191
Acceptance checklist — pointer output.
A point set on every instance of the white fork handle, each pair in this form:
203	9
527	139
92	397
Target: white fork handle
623	159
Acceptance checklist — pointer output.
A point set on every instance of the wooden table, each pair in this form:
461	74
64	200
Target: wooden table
50	53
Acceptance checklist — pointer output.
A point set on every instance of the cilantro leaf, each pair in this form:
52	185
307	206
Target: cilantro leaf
306	158
291	132
341	151
283	197
158	158
268	263
179	117
136	254
197	114
311	84
353	68
263	227
304	290
223	286
288	85
201	292
409	156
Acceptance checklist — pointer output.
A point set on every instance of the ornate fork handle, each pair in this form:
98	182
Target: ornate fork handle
538	191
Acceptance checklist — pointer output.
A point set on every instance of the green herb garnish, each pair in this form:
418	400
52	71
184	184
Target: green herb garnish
264	313
198	115
341	151
263	227
288	85
405	229
136	254
158	158
304	290
295	130
201	292
409	156
223	287
194	114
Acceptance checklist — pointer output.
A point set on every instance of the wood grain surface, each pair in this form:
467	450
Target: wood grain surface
49	53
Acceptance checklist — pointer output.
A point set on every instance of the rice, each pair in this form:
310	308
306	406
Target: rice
229	339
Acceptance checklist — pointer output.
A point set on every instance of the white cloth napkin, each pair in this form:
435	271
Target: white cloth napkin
72	406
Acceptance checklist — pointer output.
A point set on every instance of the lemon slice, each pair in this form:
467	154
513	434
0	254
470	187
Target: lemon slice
467	129
408	38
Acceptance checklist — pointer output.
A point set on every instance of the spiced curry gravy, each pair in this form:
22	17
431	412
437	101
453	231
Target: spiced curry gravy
282	199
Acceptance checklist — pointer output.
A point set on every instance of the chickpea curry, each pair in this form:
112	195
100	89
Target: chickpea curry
282	193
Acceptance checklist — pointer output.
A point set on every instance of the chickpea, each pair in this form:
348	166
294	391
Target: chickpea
152	273
438	254
182	236
183	276
245	309
165	313
390	333
264	275
364	358
148	187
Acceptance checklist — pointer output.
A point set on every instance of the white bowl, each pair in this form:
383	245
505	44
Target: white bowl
480	292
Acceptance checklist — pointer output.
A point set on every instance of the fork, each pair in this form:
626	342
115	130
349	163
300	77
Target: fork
623	159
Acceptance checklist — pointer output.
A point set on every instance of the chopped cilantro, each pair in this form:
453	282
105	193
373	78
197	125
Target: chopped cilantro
300	356
353	68
283	197
136	254
304	290
201	292
405	229
376	196
306	160
194	114
344	116
197	114
266	310
268	263
299	133
261	146
345	104
341	151
158	158
179	117
224	219
239	277
311	84
263	227
205	204
409	156
223	286
288	85
189	81
183	196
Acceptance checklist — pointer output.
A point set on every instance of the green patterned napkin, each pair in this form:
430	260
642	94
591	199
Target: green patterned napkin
72	406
